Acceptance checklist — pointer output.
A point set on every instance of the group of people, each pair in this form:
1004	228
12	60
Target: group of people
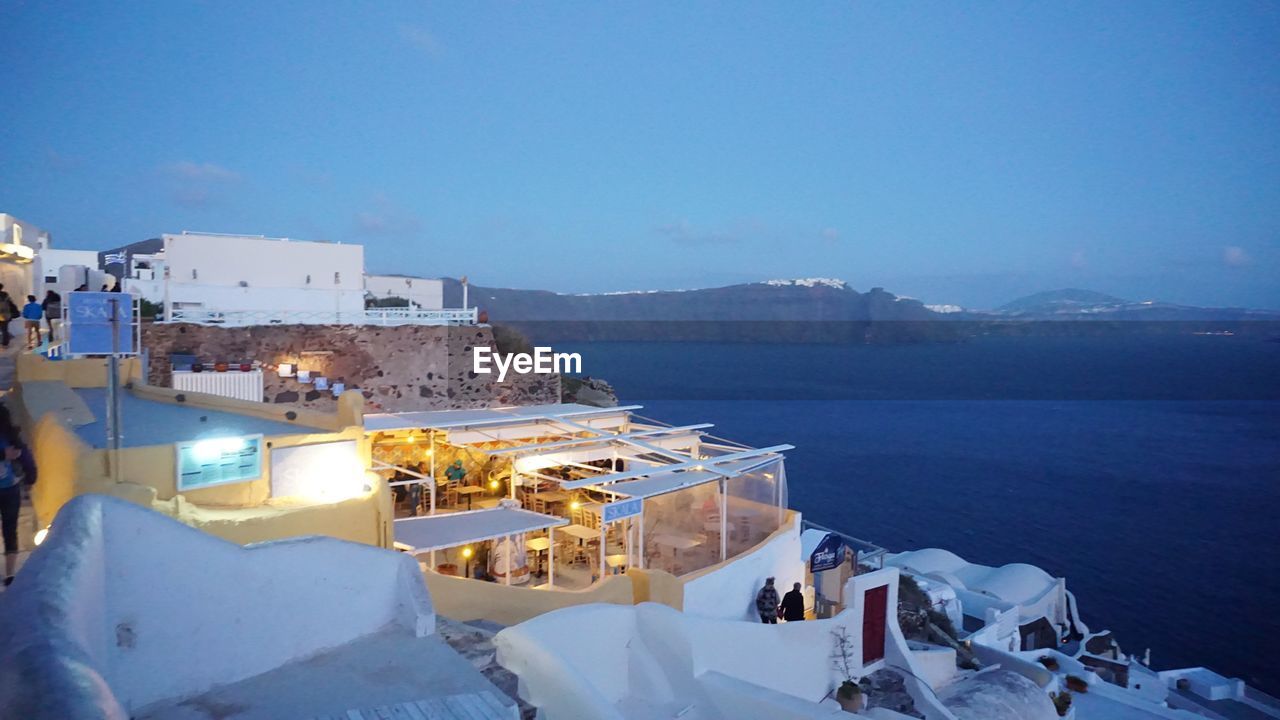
32	313
790	606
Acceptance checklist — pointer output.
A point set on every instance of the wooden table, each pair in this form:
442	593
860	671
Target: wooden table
538	502
469	491
538	546
581	532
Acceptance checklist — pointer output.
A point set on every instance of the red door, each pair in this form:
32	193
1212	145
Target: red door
874	606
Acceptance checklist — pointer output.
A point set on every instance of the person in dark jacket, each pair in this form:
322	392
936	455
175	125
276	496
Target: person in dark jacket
14	454
793	604
52	305
767	603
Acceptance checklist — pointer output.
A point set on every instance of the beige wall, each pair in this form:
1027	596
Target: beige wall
240	512
463	599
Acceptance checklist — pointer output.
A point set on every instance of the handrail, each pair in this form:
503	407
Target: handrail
371	316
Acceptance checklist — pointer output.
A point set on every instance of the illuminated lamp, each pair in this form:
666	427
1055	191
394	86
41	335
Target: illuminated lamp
41	535
286	369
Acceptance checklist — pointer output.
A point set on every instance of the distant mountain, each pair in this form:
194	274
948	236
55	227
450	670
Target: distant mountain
810	299
1076	304
825	310
1055	301
804	310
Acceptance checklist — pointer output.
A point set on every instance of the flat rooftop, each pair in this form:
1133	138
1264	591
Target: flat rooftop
148	422
372	674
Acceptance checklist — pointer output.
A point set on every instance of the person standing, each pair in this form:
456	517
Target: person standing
767	603
6	315
793	604
52	305
32	314
12	450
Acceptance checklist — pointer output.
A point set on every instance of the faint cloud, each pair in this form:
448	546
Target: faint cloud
1078	260
61	161
684	233
1235	256
422	39
386	218
195	184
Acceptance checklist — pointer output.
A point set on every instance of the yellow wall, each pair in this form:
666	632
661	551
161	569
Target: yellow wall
463	599
240	512
79	372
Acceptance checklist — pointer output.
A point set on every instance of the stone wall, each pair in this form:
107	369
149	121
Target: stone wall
396	368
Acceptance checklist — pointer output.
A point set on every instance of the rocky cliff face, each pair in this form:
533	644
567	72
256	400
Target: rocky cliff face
397	369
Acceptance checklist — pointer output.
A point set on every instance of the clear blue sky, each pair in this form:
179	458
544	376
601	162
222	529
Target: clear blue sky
955	152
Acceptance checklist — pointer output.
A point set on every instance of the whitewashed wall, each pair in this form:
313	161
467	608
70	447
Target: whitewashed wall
427	293
122	607
730	592
279	275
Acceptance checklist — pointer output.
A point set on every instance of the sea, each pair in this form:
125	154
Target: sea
1144	469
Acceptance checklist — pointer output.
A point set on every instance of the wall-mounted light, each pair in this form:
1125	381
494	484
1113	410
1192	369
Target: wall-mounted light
304	376
322	383
339	388
286	369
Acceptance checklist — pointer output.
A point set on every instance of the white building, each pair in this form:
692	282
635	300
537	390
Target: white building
29	264
253	280
424	293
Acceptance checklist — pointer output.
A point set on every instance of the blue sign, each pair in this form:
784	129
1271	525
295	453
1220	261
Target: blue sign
89	323
829	554
623	509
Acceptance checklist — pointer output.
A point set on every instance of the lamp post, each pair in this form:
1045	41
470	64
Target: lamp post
466	555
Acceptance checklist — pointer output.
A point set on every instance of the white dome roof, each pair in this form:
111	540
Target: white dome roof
998	695
928	560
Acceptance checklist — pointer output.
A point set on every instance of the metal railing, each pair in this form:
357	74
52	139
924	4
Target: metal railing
372	316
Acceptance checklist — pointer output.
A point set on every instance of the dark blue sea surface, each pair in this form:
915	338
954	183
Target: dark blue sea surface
1145	470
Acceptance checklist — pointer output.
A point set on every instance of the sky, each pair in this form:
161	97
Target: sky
964	153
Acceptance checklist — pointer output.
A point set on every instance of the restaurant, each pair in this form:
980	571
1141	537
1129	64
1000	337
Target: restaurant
563	496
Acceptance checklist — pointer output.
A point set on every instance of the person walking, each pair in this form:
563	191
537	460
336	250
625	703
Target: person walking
32	314
12	451
767	603
793	604
52	305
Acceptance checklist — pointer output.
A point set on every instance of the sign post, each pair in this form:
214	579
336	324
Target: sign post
103	323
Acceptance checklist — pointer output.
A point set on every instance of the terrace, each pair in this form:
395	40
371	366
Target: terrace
563	496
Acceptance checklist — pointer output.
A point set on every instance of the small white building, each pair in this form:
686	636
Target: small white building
29	264
425	293
257	280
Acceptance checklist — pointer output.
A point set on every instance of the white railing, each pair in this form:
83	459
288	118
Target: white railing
372	316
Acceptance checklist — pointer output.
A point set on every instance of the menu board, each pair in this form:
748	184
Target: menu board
219	461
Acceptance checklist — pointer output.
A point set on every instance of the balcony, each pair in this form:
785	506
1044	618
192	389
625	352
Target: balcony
372	316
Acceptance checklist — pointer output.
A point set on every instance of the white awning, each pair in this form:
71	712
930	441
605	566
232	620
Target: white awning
435	532
722	464
487	417
663	482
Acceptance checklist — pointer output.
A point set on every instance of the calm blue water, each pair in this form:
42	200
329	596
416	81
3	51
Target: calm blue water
1144	470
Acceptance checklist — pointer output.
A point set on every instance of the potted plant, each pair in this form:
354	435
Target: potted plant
849	694
1062	703
1077	684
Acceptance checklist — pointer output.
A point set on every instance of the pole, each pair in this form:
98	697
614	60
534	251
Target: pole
603	534
640	549
113	391
724	511
551	557
433	471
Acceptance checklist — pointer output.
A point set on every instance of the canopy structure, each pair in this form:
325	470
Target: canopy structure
665	481
436	532
487	417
